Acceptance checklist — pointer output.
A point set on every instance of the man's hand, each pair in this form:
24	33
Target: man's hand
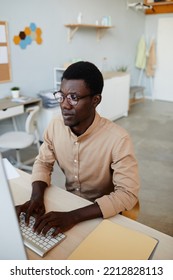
60	221
63	221
33	208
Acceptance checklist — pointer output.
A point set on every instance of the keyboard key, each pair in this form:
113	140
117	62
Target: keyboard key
37	242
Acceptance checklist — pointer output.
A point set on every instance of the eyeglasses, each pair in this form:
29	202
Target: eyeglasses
72	98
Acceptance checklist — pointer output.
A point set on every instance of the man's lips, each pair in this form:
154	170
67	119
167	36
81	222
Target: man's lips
67	114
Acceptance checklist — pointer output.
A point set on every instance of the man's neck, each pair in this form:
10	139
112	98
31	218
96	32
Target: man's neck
80	129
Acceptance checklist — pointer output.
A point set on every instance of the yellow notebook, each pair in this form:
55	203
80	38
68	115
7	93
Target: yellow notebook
109	241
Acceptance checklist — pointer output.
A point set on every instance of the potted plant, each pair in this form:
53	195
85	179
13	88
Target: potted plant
122	69
15	92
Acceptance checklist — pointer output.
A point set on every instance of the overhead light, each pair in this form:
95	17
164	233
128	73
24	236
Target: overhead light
140	6
132	4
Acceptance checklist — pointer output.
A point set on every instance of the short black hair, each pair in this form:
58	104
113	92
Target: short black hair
87	71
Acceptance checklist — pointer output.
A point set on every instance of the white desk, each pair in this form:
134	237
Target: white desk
9	108
59	199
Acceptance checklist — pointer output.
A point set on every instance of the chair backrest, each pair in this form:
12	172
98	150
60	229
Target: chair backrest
133	213
31	123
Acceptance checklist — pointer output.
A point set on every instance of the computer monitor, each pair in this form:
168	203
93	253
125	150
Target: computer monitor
11	242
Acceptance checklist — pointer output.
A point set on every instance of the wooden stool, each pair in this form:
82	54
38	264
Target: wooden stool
133	91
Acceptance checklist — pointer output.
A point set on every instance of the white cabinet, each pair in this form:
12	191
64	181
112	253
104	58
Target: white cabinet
57	72
115	95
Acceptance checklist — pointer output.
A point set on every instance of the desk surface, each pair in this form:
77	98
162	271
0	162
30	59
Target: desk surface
8	102
59	199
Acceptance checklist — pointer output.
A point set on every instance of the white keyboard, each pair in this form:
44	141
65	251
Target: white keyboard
37	242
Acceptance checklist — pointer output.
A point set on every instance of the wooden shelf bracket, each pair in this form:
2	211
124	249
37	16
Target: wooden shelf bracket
72	29
71	32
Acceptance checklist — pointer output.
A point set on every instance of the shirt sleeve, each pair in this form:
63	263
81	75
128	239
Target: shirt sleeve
43	165
125	179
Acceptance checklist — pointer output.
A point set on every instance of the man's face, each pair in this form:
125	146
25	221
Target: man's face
80	116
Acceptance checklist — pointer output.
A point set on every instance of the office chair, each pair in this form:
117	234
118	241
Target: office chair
18	140
133	213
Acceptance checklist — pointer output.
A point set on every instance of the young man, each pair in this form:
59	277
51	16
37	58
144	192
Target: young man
95	154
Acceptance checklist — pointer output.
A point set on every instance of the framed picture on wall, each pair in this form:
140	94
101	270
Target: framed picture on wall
5	67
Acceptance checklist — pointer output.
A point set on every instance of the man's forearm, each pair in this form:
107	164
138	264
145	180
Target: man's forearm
38	189
87	213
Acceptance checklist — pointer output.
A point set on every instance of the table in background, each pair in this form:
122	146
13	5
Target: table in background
10	108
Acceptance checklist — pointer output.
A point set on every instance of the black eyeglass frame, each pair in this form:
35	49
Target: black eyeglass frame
70	100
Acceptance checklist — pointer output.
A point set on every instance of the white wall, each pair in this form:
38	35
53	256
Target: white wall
151	31
32	68
163	82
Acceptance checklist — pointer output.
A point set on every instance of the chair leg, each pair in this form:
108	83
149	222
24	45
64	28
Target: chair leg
18	163
37	142
21	165
25	167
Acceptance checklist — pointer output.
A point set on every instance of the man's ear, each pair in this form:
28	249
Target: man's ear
97	99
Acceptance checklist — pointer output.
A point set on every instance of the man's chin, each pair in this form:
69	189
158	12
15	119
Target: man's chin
68	123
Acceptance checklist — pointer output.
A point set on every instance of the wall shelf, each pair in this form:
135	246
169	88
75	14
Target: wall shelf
160	7
72	29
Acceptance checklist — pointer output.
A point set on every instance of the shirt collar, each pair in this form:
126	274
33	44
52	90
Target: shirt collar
90	128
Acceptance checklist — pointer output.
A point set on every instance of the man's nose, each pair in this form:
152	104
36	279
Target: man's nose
65	104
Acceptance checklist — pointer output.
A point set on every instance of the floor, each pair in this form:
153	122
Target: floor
150	125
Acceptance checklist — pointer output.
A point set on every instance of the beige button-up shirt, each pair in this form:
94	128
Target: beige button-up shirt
99	165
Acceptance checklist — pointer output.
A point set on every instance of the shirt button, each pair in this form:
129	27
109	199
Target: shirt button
76	143
77	189
75	160
75	176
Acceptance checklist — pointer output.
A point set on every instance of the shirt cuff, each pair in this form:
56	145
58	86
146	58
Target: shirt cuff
39	176
106	207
